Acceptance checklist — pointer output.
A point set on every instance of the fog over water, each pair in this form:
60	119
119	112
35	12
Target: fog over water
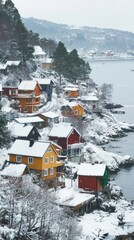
120	75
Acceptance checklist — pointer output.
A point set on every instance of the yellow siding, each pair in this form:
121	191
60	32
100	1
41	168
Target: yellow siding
78	110
39	163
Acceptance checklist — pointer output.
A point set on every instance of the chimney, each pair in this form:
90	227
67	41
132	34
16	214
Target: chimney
31	142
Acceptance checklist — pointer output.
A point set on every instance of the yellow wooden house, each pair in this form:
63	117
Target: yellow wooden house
71	92
40	156
73	109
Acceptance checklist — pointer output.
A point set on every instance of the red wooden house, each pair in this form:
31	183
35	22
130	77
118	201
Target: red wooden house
68	138
92	177
10	91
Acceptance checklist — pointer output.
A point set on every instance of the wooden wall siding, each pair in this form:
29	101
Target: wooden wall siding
90	183
74	137
60	141
39	163
79	109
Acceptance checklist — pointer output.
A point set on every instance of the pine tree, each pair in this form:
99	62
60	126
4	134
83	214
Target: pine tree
5	137
60	59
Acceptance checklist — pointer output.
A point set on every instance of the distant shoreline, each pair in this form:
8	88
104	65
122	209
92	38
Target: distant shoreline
107	59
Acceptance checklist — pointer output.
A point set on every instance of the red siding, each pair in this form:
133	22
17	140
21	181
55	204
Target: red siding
60	141
91	183
74	137
6	91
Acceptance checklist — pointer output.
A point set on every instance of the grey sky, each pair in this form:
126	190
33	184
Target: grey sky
118	14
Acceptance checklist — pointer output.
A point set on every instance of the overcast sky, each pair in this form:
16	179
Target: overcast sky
118	14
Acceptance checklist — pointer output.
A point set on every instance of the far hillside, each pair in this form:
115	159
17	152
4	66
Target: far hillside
83	38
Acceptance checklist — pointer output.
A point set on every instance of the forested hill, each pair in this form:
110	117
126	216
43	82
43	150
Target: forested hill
87	38
16	42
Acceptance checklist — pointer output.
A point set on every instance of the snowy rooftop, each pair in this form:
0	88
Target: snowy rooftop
70	88
50	114
7	109
12	63
29	119
0	87
22	147
61	130
20	130
38	51
13	170
27	85
43	81
71	198
89	98
73	104
87	169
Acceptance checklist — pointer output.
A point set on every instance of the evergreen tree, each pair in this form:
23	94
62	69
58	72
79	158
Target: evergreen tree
5	137
70	65
60	59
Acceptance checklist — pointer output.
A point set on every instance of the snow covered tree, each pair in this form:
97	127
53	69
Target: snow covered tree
106	93
5	137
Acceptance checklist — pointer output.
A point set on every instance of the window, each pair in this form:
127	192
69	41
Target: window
45	172
52	159
76	112
29	100
49	150
46	160
51	171
18	159
30	160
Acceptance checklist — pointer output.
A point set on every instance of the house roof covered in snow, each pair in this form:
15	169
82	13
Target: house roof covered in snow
74	104
61	130
38	51
89	98
13	170
71	88
1	87
27	85
86	169
43	81
20	130
50	115
26	120
13	63
72	198
22	147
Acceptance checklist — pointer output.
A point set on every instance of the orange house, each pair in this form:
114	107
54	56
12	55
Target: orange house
73	109
71	91
29	96
43	157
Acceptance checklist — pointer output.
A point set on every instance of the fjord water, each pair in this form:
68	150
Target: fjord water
120	74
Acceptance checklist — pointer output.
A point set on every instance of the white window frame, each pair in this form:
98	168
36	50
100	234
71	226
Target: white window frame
20	160
29	160
47	160
46	172
52	169
52	159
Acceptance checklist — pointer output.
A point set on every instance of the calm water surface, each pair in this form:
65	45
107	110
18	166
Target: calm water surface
120	75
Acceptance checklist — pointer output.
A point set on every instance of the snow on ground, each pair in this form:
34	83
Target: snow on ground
104	128
95	154
97	223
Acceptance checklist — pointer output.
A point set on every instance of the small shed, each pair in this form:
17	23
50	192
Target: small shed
92	177
49	118
22	131
10	169
34	121
91	100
